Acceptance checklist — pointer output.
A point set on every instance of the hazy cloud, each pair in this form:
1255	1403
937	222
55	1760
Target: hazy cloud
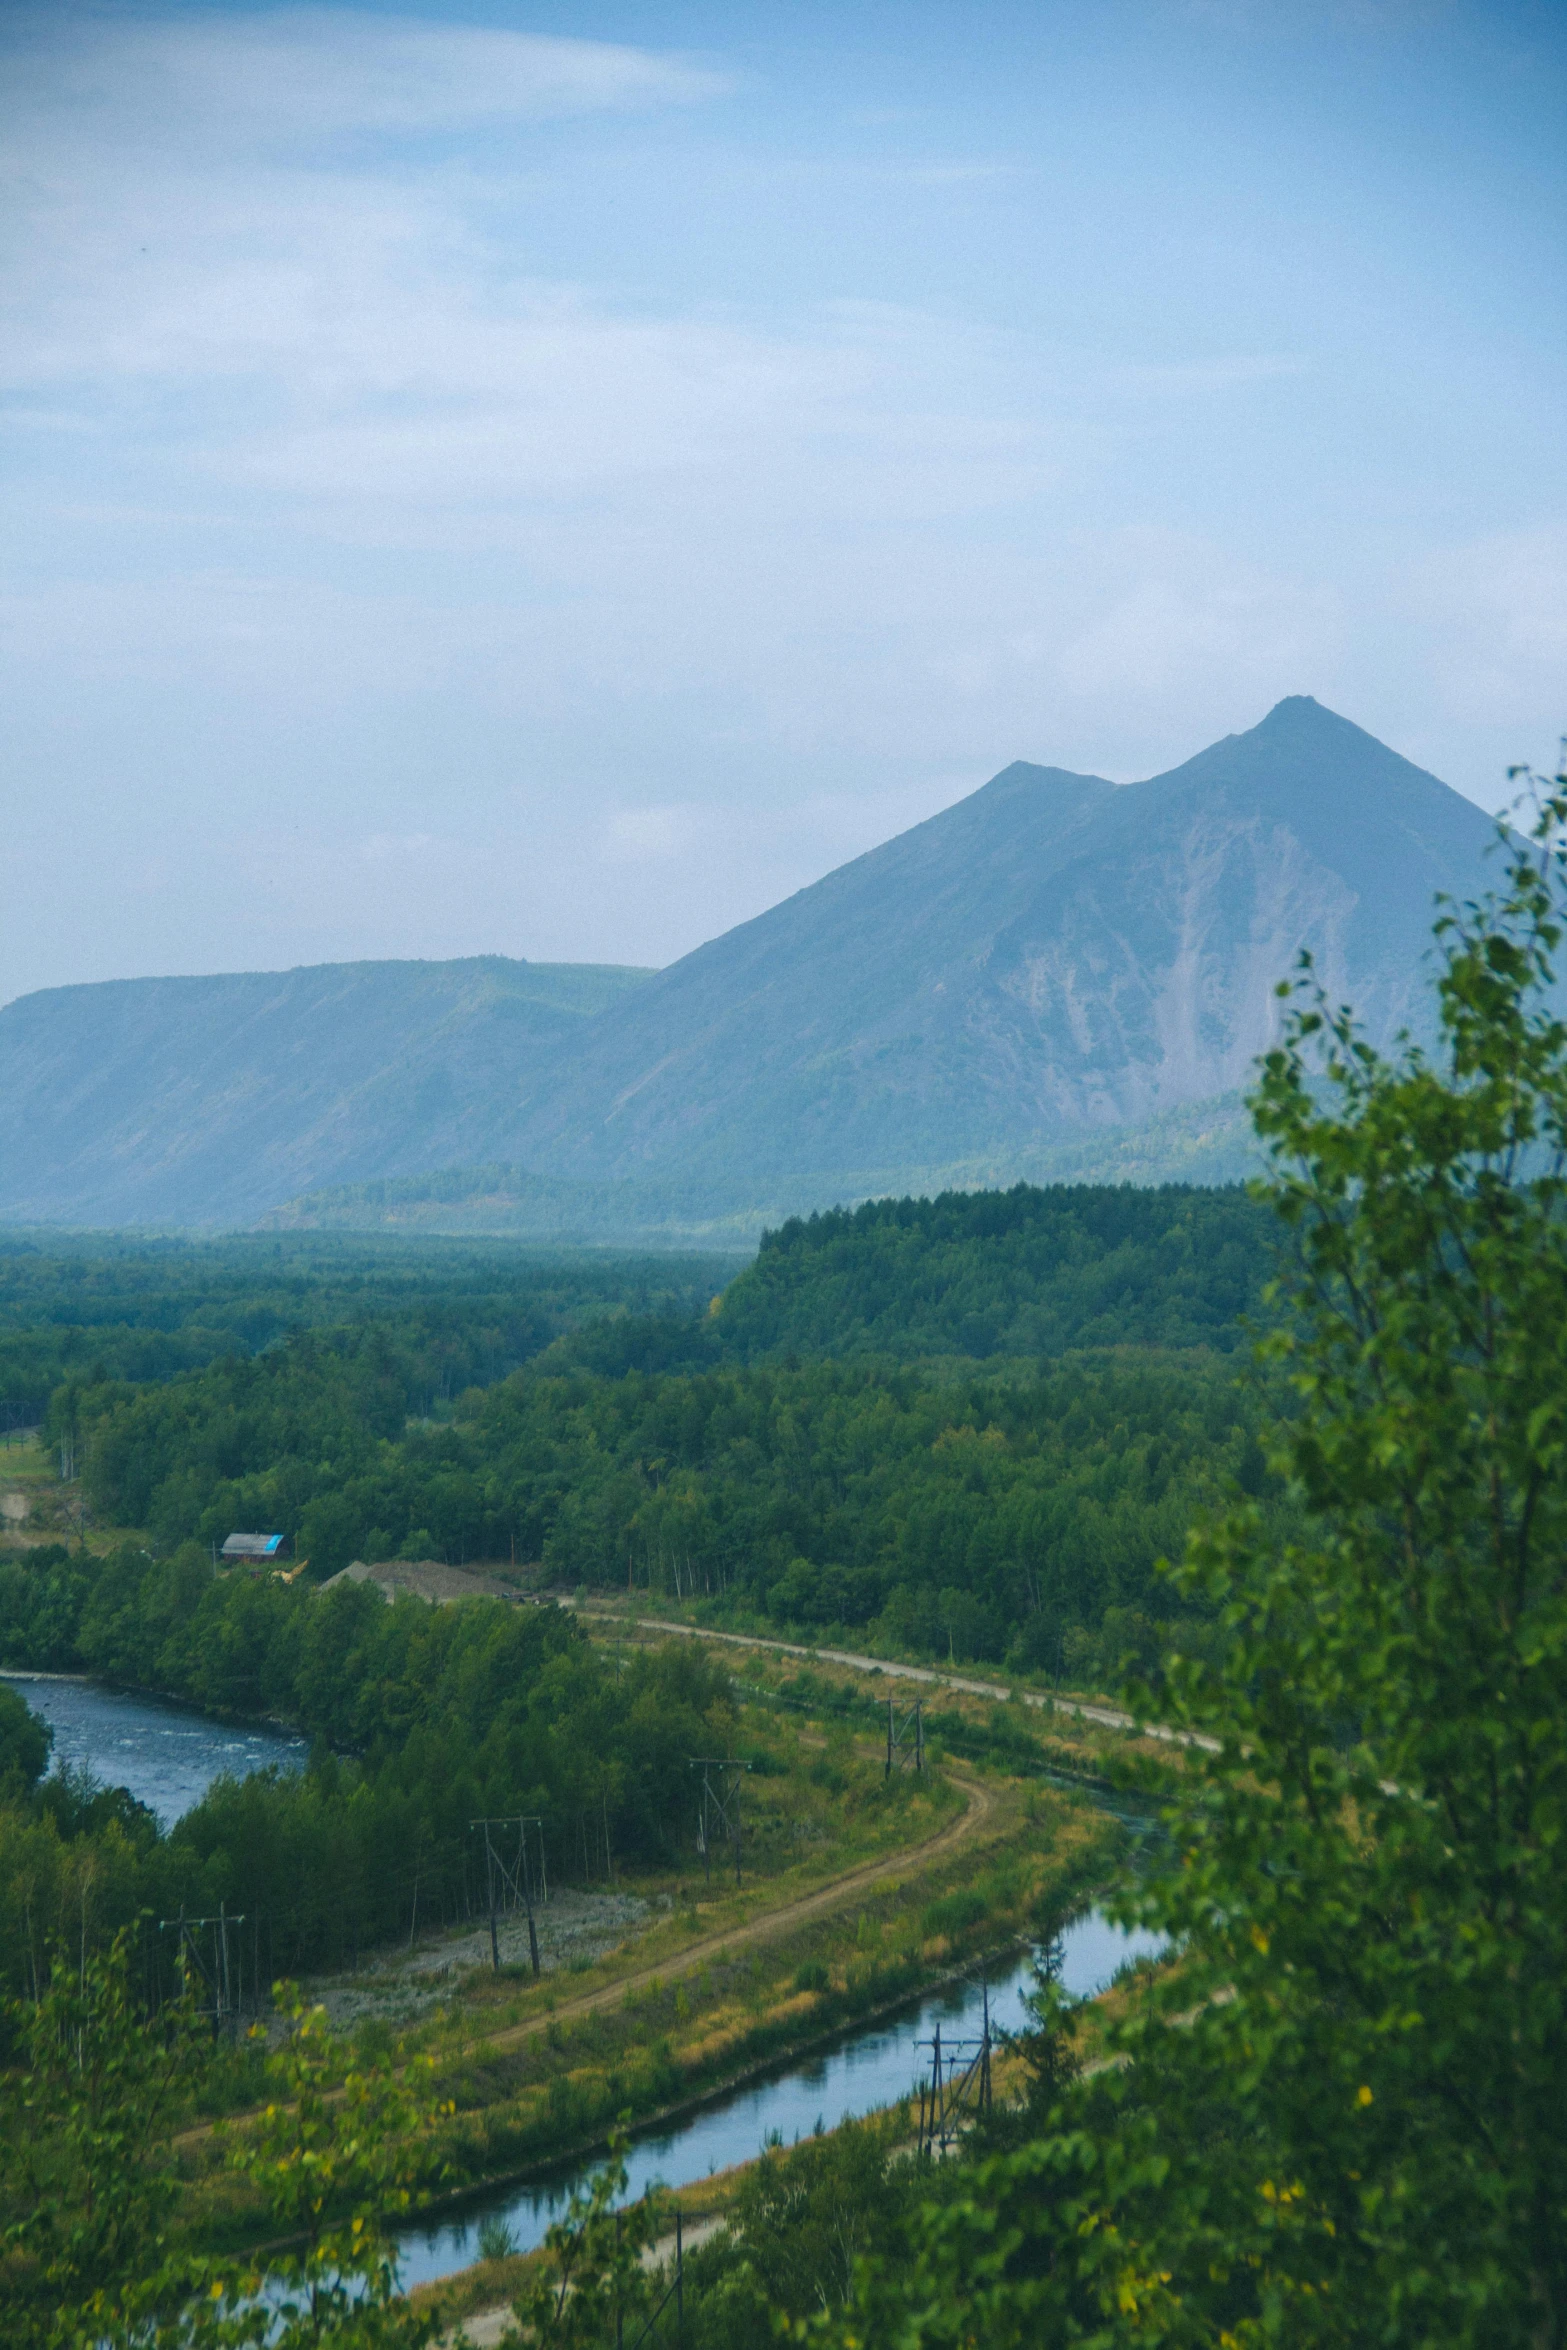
287	77
451	476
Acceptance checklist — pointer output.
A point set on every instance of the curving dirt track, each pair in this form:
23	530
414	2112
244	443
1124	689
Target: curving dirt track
979	1803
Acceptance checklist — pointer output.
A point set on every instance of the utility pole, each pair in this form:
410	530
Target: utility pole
219	1978
905	1739
959	2084
511	1878
722	1779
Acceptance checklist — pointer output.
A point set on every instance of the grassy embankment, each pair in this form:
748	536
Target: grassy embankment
975	1713
864	1892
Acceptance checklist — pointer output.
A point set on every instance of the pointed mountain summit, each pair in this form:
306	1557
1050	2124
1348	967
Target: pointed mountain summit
1056	953
1055	959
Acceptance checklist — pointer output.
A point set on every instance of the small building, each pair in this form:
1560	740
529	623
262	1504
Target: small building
256	1550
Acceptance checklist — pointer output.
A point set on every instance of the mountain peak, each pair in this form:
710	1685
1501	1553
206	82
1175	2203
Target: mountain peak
1303	718
1050	958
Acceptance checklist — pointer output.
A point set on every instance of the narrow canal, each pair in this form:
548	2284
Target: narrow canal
869	2068
168	1756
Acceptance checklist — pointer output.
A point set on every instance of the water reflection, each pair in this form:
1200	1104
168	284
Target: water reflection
168	1757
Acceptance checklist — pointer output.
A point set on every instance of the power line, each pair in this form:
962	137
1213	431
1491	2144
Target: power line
513	1877
223	1979
959	2084
903	1747
720	1811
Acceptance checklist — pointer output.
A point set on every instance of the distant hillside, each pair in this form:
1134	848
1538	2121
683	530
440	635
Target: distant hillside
1026	1272
1020	1272
97	1306
203	1101
1057	979
1200	1143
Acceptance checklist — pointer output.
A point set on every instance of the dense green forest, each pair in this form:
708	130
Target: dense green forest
984	1515
593	1418
454	1314
424	1719
1024	1273
827	1444
1020	1272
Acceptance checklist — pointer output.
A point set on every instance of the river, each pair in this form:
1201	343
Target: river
872	2067
168	1756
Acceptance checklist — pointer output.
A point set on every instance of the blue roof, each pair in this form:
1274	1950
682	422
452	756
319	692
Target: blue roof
253	1546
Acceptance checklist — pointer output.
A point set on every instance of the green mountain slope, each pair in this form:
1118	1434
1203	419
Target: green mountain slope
1019	1272
1026	1273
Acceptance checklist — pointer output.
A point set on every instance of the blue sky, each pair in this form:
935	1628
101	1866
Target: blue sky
551	482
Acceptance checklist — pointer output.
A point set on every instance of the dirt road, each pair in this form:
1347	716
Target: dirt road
979	1802
1109	1717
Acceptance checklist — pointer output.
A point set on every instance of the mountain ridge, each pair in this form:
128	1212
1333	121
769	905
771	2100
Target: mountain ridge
373	1065
1052	967
1066	953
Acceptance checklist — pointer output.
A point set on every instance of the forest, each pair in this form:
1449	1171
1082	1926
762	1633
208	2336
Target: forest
423	1720
99	1306
809	1447
964	1427
1024	1272
985	1515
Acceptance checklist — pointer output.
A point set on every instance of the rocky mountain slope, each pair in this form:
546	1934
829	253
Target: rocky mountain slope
1053	958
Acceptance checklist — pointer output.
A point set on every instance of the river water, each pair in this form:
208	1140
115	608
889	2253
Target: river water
872	2067
169	1756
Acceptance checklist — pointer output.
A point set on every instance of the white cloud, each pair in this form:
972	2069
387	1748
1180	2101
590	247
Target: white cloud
489	583
1498	606
382	848
1183	612
634	835
1199	377
283	78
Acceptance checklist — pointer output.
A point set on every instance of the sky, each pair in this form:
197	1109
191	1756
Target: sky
488	478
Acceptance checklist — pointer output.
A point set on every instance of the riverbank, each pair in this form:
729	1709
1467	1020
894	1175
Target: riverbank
716	1991
164	1751
867	1891
869	2074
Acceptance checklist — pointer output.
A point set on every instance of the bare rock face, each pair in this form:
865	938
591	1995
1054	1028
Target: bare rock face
1053	956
